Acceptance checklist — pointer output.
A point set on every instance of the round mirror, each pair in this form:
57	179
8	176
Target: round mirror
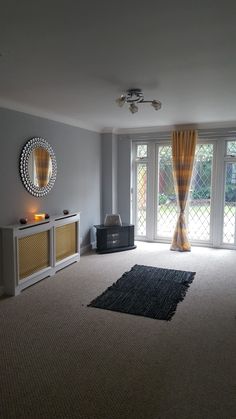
38	167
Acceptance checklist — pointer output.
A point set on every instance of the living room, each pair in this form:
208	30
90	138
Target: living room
67	72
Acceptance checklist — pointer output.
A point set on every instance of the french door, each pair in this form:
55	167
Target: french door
211	208
229	199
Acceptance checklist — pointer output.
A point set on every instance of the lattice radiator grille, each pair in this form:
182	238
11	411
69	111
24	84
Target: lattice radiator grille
66	241
33	253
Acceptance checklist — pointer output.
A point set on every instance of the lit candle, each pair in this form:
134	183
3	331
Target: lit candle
39	217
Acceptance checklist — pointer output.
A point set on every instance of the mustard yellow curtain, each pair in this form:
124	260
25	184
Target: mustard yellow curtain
42	164
183	152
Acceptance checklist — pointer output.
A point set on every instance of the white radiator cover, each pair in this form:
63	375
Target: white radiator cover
36	250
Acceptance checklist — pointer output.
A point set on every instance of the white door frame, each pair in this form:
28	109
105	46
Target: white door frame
217	193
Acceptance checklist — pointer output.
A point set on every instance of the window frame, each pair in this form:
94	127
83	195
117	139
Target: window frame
227	159
219	142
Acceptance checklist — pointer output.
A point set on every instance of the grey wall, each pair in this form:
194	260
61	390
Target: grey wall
106	174
116	175
78	183
124	178
109	174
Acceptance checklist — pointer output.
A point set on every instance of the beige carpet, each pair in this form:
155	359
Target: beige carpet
61	359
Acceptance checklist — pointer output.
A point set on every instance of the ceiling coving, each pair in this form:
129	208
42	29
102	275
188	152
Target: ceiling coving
134	97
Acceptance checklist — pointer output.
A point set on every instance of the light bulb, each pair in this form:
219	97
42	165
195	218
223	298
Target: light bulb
133	108
156	105
121	100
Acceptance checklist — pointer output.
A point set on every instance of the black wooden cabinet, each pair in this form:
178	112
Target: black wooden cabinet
114	238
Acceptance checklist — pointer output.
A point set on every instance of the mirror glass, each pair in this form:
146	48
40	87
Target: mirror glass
38	167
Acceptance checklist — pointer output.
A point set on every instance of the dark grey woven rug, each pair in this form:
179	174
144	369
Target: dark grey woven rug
146	291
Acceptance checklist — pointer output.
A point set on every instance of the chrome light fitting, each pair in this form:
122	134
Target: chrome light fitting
134	97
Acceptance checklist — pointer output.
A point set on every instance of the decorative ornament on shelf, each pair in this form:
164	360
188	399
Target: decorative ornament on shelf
66	211
47	216
134	97
112	220
23	220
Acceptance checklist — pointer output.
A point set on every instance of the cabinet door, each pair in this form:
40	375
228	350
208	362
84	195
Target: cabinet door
33	253
66	241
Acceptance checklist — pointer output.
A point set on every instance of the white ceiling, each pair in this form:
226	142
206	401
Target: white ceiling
70	60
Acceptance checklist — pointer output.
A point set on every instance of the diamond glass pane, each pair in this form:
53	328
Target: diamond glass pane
166	204
230	204
231	148
141	198
199	212
141	151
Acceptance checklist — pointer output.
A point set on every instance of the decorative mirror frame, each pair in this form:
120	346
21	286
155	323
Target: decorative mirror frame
28	148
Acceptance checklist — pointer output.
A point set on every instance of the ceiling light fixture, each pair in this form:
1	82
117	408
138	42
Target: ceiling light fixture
134	97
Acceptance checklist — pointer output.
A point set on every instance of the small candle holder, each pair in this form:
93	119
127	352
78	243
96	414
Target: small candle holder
23	220
39	217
